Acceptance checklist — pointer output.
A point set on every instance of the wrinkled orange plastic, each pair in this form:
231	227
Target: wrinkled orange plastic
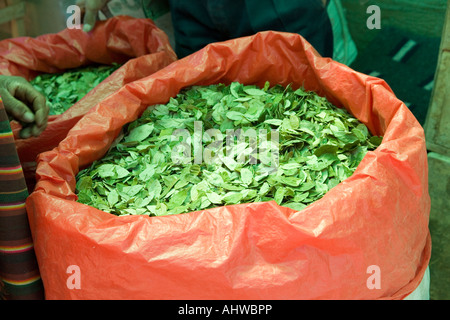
137	43
377	217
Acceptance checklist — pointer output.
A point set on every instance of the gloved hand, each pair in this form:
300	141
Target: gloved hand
91	8
25	104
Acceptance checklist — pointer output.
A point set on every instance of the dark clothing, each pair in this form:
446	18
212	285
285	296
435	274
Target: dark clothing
200	22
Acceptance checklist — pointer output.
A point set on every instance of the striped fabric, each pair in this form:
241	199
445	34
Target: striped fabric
19	273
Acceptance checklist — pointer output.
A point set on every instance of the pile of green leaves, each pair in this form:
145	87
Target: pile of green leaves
63	90
320	145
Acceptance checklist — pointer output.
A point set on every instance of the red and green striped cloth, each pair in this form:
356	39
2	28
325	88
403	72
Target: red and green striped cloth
19	272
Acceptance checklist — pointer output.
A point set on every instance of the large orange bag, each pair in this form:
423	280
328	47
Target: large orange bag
137	43
374	224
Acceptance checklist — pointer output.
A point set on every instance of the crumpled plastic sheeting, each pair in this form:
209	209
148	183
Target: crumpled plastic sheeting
137	43
377	217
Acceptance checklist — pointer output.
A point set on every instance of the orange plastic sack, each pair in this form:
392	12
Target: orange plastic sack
372	225
137	43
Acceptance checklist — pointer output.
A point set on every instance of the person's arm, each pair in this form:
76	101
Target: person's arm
91	9
25	104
